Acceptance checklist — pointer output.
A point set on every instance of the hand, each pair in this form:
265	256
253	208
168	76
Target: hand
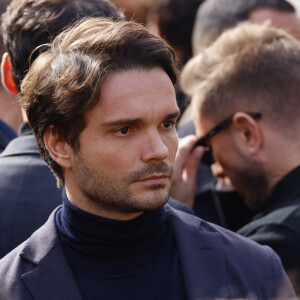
185	170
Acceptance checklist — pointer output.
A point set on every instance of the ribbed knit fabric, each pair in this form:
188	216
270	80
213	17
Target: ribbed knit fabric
110	259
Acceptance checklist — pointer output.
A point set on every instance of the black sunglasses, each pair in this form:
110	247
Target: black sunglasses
207	157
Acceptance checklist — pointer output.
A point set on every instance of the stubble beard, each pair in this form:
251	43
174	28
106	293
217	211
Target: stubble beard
253	180
114	193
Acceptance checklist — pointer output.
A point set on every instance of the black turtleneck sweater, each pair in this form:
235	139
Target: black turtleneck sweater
110	259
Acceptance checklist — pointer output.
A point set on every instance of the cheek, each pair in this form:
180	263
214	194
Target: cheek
231	164
225	158
119	161
110	162
172	145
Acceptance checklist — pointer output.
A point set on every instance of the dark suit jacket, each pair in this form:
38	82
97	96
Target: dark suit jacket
216	263
28	192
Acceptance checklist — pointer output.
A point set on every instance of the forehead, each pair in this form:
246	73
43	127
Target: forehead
285	20
135	94
277	17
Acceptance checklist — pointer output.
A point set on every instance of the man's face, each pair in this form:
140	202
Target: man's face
245	173
127	149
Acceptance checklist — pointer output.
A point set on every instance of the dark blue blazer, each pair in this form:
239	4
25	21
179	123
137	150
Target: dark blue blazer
216	263
28	192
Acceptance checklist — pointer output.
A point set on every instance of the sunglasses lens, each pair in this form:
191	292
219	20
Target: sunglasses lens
207	158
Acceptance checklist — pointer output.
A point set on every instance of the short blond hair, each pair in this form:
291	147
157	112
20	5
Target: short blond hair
249	68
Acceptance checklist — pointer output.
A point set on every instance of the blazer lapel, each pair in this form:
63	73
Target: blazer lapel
51	277
202	257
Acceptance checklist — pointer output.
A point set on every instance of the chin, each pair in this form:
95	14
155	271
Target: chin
155	200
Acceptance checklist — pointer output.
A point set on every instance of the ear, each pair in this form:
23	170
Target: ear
59	149
249	132
6	76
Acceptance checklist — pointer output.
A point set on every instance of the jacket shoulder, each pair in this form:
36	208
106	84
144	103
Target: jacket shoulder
246	265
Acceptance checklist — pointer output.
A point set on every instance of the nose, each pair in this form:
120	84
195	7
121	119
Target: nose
217	170
223	181
154	147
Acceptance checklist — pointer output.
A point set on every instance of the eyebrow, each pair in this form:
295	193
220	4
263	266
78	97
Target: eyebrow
137	121
173	115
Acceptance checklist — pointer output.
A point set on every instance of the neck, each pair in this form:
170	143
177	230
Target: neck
10	112
108	240
24	116
282	161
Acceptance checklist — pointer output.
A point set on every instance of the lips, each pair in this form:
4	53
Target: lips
154	179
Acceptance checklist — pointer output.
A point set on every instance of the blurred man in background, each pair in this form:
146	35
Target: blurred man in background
245	90
215	198
173	20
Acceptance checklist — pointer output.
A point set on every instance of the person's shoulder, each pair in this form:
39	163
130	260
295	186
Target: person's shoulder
285	218
35	247
179	206
27	256
247	263
234	245
21	146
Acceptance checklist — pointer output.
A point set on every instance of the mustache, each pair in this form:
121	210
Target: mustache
150	169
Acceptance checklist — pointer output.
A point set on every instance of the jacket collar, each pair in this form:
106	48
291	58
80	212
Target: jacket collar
51	269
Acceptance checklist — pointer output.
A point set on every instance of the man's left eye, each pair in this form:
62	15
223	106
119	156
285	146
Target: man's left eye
168	124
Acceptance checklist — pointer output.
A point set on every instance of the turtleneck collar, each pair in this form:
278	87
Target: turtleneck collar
110	246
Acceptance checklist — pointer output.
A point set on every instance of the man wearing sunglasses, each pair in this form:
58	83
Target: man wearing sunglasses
215	199
245	96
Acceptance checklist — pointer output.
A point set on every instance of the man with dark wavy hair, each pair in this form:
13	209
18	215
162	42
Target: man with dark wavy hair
101	103
27	24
